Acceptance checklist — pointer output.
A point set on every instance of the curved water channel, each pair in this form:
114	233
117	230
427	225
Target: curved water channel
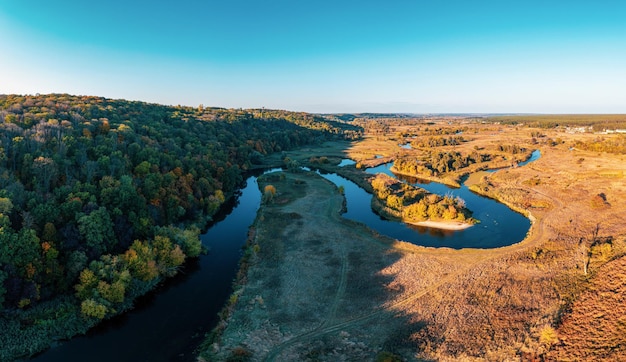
499	225
534	156
169	323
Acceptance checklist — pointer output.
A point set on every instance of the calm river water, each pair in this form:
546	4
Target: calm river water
499	225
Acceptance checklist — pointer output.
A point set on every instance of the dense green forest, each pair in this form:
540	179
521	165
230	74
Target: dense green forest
100	199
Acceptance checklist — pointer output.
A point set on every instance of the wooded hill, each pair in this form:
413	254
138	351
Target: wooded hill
102	198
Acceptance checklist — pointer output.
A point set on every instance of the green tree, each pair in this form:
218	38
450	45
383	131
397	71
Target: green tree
141	261
113	292
45	171
91	308
188	239
167	255
87	282
49	233
142	169
6	206
3	290
97	229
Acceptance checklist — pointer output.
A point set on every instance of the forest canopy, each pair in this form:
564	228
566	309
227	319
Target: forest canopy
101	198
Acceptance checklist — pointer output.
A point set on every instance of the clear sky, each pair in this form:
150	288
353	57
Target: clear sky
421	56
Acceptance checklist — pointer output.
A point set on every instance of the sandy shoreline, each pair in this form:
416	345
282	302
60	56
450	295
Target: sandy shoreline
445	225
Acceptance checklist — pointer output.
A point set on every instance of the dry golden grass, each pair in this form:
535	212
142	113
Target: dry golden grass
525	288
595	329
535	300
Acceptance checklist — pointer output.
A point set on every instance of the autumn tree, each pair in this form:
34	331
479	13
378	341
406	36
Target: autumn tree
269	191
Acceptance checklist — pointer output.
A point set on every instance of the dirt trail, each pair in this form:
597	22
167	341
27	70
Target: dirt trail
352	322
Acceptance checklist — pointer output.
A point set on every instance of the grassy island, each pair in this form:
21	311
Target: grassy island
396	200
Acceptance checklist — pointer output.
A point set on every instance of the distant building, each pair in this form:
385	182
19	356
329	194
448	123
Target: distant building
611	131
578	129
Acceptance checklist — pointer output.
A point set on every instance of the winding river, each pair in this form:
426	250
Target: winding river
169	323
499	225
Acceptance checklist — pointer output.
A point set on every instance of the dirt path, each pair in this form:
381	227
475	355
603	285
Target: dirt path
354	322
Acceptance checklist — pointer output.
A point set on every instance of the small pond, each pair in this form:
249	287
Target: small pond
346	162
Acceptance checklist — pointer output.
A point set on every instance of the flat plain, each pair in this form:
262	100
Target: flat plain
320	287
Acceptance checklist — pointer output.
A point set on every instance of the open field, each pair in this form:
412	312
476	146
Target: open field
325	288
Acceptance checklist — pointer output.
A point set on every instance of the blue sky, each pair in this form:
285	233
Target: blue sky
421	56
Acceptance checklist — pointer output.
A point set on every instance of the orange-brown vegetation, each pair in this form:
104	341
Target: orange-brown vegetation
595	328
339	292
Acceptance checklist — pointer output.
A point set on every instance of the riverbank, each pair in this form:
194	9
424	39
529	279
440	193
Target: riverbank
445	181
182	306
311	270
322	286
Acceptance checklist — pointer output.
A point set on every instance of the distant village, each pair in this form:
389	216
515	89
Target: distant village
589	129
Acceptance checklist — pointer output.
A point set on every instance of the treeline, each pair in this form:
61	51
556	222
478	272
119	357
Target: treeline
101	198
512	149
440	131
385	125
413	204
437	163
438	141
598	121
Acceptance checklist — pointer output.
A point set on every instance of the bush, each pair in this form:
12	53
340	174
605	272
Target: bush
385	356
548	336
239	354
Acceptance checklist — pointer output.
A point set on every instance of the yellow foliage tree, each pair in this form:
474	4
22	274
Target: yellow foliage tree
269	192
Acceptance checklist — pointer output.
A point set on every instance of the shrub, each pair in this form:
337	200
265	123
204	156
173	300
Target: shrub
548	336
240	354
91	308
